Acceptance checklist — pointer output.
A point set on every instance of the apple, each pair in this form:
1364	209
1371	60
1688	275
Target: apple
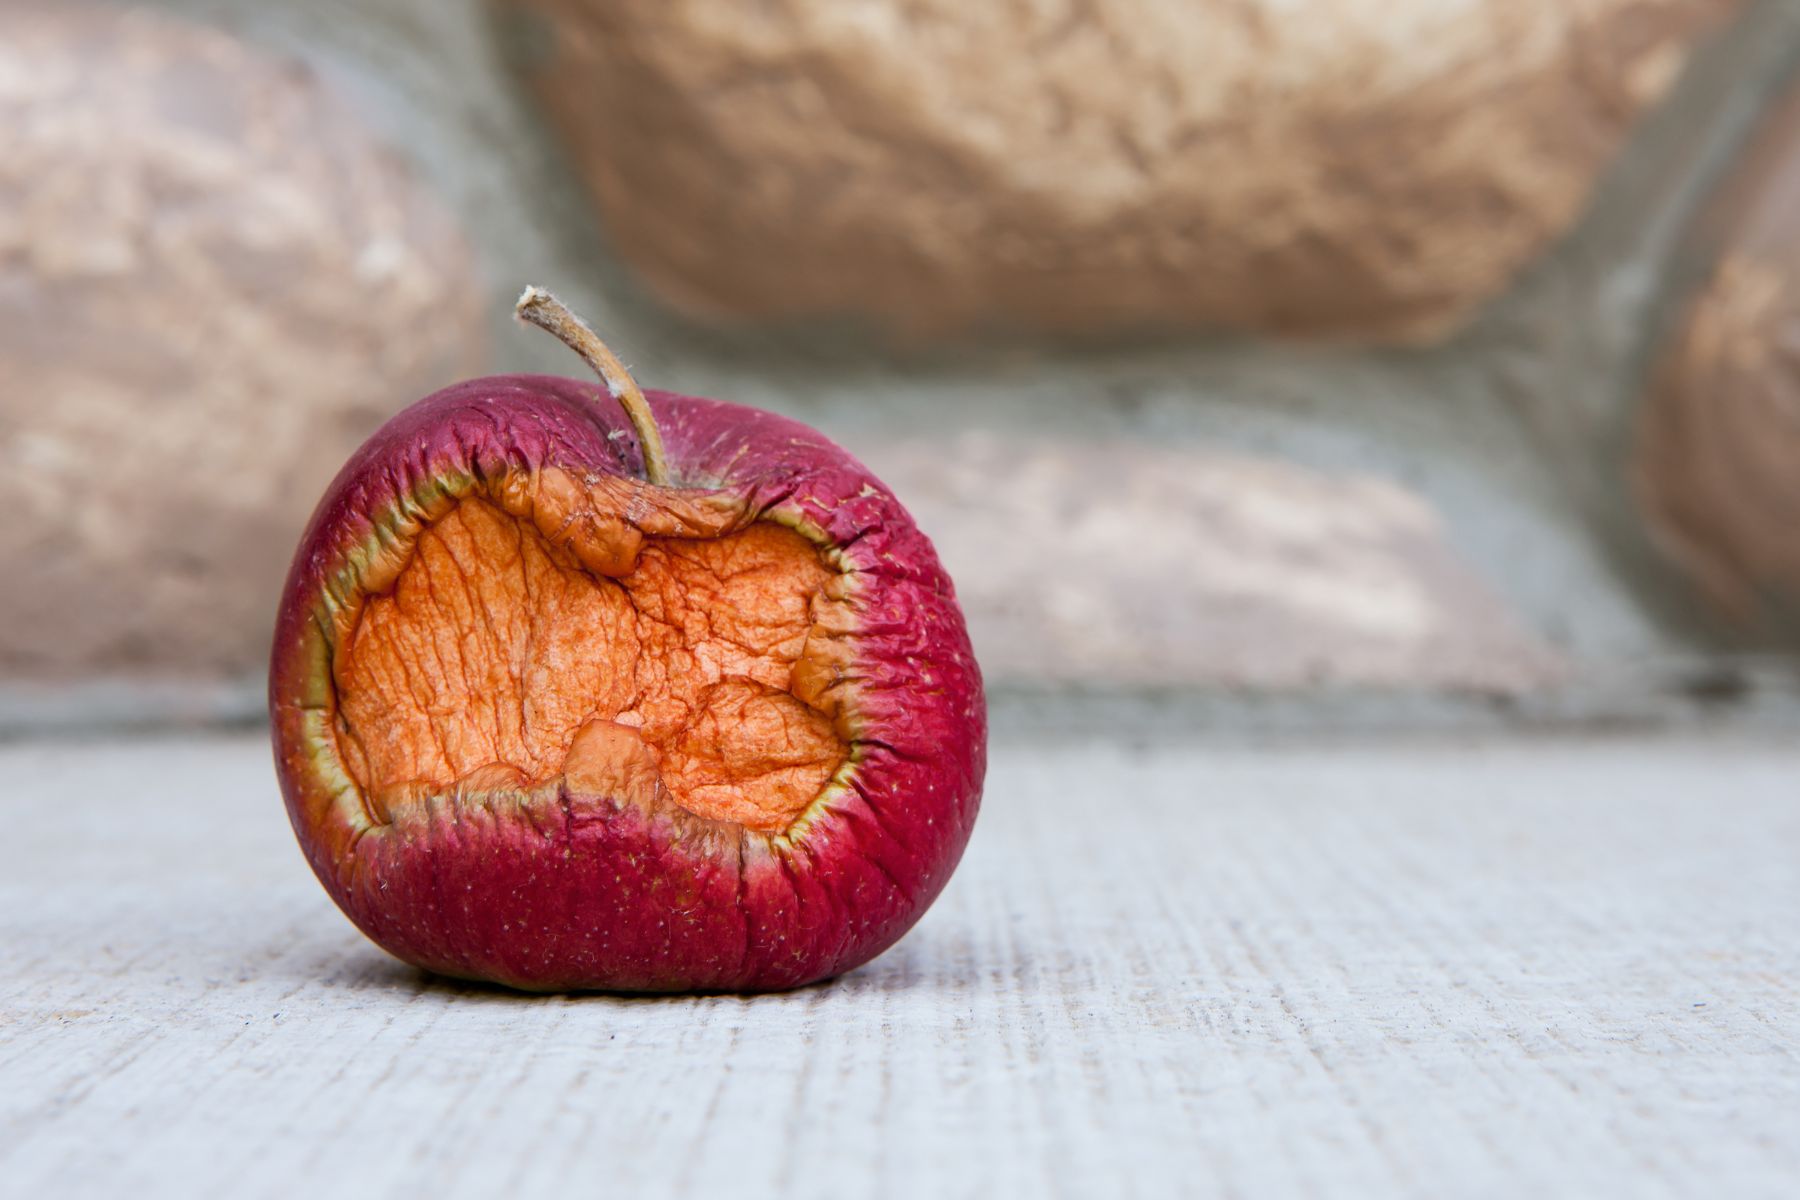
574	689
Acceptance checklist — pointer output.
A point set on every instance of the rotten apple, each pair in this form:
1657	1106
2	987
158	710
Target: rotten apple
577	688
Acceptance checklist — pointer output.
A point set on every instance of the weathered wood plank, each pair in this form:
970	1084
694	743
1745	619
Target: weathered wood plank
1450	969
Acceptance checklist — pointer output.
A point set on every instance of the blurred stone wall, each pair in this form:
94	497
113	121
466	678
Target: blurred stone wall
1395	499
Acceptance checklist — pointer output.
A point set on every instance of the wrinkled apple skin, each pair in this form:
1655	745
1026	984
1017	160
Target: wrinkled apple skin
580	892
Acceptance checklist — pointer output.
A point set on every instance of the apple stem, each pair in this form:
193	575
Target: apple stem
538	307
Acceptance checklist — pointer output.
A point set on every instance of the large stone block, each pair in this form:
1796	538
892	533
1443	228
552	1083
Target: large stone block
213	285
1334	168
1718	452
1120	564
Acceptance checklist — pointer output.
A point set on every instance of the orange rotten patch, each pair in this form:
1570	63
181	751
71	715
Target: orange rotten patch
498	659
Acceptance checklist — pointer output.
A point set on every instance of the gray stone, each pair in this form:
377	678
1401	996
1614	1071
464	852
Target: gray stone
1116	563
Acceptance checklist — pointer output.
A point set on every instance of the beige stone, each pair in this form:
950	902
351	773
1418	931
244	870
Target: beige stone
1718	453
1115	563
1335	168
213	285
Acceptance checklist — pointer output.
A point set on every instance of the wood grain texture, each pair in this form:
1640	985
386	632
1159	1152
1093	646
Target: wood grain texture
1472	969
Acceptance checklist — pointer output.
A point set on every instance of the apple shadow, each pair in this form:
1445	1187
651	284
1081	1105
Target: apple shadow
921	962
373	971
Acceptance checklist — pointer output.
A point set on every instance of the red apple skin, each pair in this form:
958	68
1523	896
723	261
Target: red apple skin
579	892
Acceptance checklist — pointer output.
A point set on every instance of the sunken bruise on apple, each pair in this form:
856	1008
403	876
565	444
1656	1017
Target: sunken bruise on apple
578	689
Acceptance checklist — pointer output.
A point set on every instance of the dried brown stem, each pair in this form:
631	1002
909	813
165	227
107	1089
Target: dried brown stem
540	308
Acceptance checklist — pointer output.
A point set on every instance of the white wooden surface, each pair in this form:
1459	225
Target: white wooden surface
1443	970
